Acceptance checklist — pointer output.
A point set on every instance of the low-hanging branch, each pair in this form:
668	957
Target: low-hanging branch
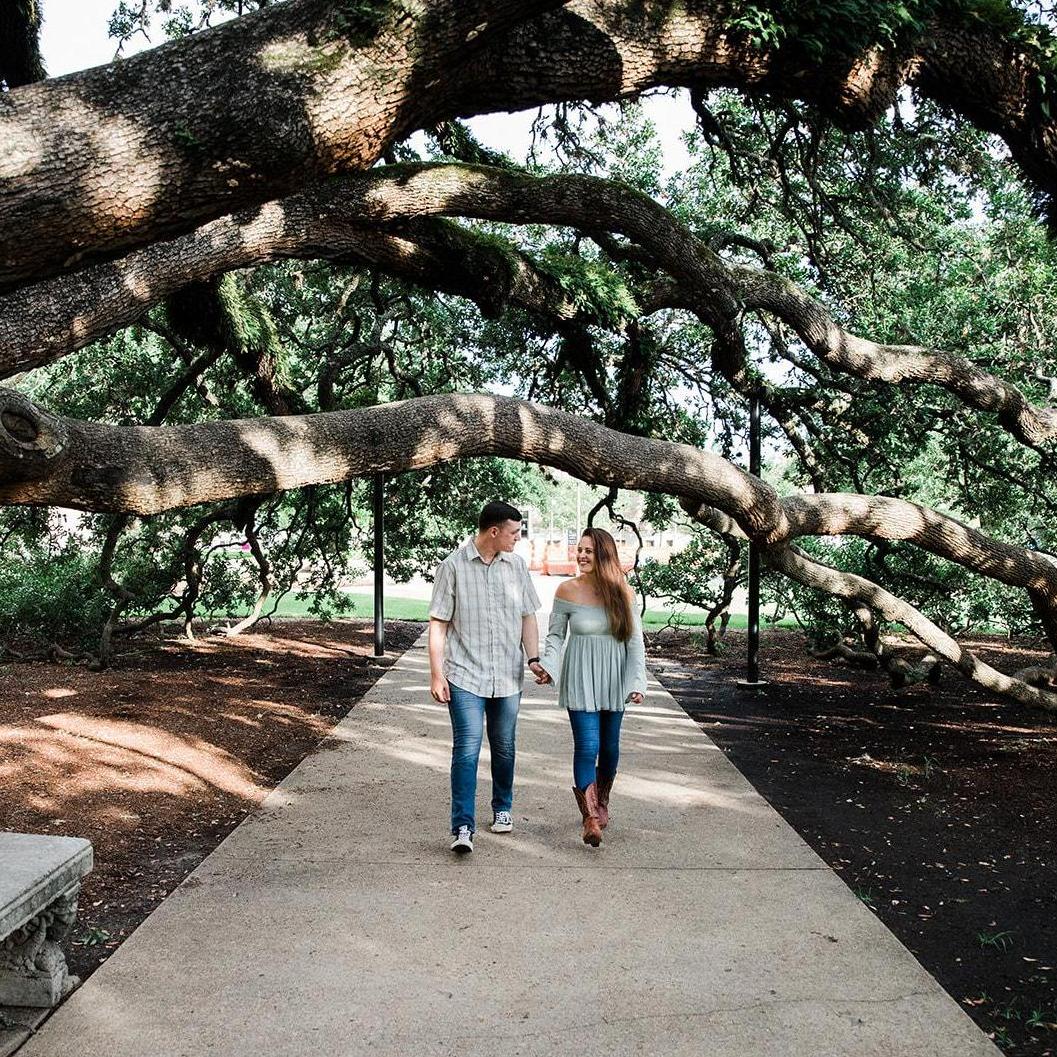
366	215
855	591
46	460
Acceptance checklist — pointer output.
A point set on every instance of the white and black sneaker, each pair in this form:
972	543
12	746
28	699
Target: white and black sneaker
463	842
502	823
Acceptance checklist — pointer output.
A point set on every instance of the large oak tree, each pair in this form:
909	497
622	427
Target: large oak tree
258	141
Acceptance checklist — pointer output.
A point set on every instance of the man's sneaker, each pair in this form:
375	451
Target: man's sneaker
503	823
463	842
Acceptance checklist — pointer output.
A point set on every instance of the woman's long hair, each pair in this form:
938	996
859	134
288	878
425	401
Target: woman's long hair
612	586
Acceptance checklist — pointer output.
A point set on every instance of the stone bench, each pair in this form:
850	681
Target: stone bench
40	877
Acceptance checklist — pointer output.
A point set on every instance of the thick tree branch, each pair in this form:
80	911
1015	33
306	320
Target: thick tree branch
853	589
279	99
334	222
886	518
146	470
42	323
896	364
113	158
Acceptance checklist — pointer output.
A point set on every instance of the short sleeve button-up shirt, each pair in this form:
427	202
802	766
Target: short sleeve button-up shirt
484	605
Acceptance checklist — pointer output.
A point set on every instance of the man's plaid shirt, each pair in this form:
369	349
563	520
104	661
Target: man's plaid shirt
484	605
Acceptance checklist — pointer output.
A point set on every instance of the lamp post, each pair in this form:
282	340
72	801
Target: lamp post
379	565
752	677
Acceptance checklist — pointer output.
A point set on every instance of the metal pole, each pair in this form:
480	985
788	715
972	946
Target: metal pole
752	678
379	566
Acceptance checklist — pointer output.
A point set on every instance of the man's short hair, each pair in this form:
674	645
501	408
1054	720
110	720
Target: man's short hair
495	514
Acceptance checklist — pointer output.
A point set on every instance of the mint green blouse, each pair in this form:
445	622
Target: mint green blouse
595	672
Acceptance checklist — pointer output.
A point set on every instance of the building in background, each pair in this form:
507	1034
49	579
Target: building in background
549	537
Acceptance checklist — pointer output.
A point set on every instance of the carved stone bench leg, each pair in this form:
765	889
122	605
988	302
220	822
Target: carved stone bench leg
33	969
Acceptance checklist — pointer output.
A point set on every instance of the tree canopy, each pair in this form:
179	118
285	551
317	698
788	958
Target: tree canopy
246	269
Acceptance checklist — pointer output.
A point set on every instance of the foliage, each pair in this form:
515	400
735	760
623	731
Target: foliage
49	593
592	287
432	511
691	577
826	28
172	17
20	59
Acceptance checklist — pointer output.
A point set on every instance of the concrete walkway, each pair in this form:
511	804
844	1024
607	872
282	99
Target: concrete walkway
336	922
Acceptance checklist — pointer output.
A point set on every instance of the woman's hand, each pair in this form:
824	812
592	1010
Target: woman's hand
635	699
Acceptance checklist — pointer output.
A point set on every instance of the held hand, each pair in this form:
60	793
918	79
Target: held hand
635	699
438	688
540	673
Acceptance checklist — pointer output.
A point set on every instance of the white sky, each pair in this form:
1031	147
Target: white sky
74	37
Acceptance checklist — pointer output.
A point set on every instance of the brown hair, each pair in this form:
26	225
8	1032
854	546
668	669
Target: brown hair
496	513
614	589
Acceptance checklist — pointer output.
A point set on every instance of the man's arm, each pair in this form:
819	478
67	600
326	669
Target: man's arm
530	632
441	612
438	684
530	635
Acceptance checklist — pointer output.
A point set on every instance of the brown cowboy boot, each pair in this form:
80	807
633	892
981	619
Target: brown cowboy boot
605	787
587	800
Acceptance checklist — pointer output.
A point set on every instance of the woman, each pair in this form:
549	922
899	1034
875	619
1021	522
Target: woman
603	668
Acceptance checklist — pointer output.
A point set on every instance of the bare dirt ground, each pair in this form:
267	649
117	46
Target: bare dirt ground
936	806
157	759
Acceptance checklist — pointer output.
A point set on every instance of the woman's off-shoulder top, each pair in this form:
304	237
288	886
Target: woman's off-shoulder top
596	671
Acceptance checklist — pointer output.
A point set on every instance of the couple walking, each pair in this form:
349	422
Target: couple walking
483	624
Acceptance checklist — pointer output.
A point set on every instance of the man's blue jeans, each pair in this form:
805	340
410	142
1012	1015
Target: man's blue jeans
596	745
469	716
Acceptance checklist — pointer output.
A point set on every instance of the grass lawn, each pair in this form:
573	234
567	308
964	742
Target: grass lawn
416	609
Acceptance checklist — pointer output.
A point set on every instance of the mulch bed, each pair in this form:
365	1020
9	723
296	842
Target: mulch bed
937	806
158	758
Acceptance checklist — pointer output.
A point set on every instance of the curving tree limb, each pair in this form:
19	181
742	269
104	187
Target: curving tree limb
857	590
146	470
280	99
388	217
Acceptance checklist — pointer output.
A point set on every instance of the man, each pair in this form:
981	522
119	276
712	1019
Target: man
482	615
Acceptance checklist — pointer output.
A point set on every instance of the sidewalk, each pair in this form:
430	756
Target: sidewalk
335	921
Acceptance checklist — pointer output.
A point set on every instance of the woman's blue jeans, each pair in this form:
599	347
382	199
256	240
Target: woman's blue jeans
470	714
596	745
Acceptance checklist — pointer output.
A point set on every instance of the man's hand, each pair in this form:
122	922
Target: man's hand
541	674
438	688
635	699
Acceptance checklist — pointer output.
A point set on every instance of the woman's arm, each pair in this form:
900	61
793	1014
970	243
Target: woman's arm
552	648
635	662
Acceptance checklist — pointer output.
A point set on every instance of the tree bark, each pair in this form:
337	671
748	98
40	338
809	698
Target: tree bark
146	470
108	160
